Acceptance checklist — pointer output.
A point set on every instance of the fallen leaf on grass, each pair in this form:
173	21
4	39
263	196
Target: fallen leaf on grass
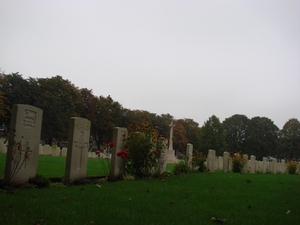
38	222
288	212
99	186
218	220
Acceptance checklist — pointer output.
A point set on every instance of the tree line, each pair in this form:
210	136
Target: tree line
60	99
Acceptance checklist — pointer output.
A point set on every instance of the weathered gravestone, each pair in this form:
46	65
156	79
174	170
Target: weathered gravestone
226	157
211	160
78	145
246	161
220	162
264	165
120	135
252	163
189	154
23	146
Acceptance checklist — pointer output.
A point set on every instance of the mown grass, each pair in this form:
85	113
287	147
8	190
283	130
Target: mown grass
51	166
190	199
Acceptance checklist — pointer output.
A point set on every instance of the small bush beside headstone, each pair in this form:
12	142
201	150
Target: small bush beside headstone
39	181
238	162
292	166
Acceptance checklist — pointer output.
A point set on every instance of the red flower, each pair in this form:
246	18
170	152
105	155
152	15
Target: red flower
123	154
97	152
111	144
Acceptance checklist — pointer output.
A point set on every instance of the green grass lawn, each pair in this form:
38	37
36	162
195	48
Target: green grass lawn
51	166
189	199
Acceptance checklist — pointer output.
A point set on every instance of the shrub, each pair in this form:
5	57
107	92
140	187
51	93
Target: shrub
128	177
39	181
198	161
181	168
292	166
144	150
238	162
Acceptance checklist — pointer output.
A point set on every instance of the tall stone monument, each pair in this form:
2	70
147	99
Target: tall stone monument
78	145
23	146
170	153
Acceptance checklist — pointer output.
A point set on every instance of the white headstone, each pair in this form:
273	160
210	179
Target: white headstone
47	150
252	163
23	150
189	154
226	157
283	166
55	151
246	161
274	166
211	160
264	165
119	138
220	164
78	145
64	151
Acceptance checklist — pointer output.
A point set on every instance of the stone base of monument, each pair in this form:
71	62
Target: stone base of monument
170	156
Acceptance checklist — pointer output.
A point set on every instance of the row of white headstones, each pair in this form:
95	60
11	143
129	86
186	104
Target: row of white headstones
23	151
22	156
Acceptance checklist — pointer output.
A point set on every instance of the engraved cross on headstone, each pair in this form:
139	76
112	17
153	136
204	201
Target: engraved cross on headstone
20	157
81	145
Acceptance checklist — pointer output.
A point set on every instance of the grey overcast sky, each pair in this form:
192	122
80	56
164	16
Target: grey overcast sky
191	59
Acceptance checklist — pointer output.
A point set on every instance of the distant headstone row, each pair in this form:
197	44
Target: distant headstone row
251	165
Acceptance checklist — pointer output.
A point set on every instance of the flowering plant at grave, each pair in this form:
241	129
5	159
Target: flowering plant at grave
198	161
123	154
97	152
238	162
111	144
20	154
144	146
105	158
292	166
